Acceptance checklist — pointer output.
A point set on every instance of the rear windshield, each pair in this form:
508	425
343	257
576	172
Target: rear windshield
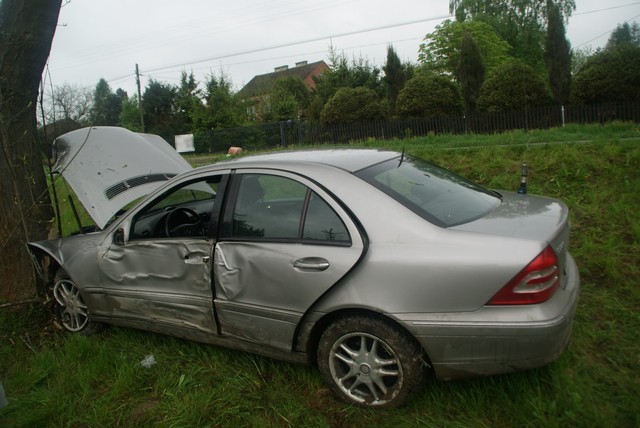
435	194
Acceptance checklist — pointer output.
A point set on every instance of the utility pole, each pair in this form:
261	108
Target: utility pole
139	98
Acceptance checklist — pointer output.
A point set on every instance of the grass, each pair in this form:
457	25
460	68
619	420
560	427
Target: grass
54	379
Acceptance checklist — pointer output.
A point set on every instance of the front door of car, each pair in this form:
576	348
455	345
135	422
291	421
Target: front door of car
160	278
284	243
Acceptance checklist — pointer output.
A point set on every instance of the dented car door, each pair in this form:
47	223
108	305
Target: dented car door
162	274
284	243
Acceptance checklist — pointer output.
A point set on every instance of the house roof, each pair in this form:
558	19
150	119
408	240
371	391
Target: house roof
260	83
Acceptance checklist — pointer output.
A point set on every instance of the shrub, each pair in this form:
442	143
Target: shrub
427	95
612	75
512	86
350	105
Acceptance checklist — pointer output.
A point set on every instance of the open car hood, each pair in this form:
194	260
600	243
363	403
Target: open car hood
110	167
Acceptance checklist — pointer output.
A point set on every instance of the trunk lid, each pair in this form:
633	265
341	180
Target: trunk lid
527	217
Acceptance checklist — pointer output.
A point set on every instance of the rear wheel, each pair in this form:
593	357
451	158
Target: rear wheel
370	362
70	308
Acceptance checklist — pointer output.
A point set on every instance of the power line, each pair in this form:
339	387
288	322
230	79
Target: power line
605	9
607	32
285	45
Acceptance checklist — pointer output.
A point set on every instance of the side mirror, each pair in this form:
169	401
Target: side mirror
118	237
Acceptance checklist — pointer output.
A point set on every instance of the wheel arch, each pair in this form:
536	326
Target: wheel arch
310	346
47	261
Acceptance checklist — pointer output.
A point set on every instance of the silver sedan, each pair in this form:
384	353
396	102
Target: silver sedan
375	266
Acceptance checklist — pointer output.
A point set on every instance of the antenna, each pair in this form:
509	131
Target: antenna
523	180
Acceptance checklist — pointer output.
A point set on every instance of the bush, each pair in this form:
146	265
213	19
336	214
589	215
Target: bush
427	95
609	76
351	105
512	86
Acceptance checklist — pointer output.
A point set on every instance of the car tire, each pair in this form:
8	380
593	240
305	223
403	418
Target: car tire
370	362
70	308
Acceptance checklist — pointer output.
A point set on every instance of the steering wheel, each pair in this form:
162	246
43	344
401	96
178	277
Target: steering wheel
190	223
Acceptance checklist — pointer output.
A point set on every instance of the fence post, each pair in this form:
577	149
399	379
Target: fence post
562	110
282	137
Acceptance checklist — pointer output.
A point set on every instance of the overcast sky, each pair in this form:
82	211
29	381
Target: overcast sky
243	38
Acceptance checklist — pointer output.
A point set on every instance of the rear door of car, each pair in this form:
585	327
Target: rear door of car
284	242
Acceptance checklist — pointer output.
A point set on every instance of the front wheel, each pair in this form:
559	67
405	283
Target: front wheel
370	362
70	308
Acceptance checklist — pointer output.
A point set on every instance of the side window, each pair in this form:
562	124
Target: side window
274	207
322	223
184	211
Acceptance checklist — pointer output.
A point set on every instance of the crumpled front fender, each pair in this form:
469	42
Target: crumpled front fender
42	249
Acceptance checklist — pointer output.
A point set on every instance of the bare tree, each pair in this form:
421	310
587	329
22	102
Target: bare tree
26	32
72	103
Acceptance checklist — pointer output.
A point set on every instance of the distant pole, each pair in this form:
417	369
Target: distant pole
139	98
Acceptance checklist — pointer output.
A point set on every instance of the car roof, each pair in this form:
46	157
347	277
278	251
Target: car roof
350	160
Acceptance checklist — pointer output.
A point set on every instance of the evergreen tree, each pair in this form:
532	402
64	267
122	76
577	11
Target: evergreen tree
624	34
159	107
394	78
470	72
221	108
342	74
187	101
557	55
106	105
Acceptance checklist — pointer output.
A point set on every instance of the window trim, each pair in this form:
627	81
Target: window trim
226	229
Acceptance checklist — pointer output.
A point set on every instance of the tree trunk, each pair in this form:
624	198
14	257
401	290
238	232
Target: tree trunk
26	32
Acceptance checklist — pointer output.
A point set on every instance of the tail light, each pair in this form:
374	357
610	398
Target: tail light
535	283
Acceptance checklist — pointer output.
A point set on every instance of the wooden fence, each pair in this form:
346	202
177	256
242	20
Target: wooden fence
301	132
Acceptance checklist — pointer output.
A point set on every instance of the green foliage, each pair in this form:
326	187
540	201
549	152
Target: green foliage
612	75
558	57
428	94
579	58
130	115
515	10
351	105
624	34
187	101
221	108
294	86
512	86
315	108
288	99
440	50
395	76
520	22
159	106
470	72
106	105
283	105
344	74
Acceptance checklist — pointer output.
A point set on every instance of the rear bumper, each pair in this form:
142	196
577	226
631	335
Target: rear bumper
498	339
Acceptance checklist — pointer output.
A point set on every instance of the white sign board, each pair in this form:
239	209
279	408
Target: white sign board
184	143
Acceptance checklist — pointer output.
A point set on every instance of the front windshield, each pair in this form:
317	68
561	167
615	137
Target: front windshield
435	194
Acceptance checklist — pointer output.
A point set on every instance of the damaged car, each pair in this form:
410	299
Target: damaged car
375	266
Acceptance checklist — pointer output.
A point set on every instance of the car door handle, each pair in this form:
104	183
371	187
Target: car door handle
196	260
311	263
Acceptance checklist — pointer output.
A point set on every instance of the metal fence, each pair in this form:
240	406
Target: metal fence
289	133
